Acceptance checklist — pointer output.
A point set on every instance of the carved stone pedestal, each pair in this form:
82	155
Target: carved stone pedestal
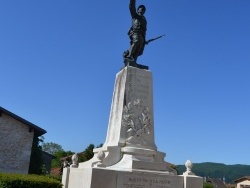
129	157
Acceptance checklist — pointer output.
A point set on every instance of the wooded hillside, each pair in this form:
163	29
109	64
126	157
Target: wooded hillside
218	170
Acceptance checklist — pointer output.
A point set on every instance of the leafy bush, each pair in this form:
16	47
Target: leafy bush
27	181
207	185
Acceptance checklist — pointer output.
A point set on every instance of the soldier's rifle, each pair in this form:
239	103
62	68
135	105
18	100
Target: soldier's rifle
151	40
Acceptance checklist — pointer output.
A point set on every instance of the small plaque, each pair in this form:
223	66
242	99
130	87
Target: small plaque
143	181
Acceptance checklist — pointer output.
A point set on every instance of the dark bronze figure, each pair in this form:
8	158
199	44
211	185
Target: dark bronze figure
137	32
137	35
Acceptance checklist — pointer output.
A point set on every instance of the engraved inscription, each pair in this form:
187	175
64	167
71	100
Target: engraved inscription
139	87
145	182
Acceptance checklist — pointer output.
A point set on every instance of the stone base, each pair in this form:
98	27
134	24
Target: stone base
129	157
106	178
193	181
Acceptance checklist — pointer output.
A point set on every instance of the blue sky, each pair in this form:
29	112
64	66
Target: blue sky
58	61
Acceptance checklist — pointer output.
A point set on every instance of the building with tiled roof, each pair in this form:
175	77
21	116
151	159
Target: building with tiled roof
16	139
243	182
231	185
216	182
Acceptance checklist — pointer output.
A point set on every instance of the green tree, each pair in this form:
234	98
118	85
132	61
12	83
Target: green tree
207	185
99	146
52	148
174	167
59	153
87	154
36	161
56	163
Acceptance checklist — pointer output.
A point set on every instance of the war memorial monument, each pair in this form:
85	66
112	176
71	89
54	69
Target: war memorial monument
129	157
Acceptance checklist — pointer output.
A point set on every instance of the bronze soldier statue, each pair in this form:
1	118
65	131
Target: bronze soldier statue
137	32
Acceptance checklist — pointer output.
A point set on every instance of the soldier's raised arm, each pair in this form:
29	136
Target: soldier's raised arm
132	8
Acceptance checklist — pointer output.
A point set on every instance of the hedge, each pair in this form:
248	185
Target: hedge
28	181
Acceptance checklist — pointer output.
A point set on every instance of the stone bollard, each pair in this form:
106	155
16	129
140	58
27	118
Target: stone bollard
74	161
189	166
190	179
